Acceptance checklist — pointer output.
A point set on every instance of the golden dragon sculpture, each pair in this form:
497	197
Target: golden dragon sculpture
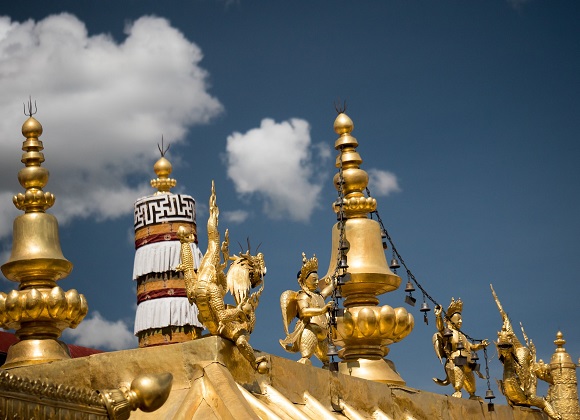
208	286
520	368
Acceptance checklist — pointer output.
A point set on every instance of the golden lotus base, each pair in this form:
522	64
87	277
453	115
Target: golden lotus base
32	352
381	370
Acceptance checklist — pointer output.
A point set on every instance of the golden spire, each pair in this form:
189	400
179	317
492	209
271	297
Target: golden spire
163	169
366	329
39	310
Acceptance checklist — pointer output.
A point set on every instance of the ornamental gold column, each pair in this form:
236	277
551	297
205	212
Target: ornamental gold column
563	393
39	310
366	329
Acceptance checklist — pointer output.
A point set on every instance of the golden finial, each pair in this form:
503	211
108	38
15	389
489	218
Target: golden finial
39	310
33	177
355	180
163	169
559	341
366	329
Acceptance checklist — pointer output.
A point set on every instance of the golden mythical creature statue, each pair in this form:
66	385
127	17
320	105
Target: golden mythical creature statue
310	334
520	369
208	286
450	343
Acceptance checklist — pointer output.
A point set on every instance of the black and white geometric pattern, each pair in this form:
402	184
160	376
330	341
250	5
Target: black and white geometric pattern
164	208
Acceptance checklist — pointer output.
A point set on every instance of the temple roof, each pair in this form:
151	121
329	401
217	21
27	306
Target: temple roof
211	380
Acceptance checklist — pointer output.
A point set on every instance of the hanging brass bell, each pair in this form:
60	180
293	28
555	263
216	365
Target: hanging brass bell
447	333
332	350
342	265
337	293
489	395
460	346
394	264
474	356
410	300
425	307
409	287
343	279
460	360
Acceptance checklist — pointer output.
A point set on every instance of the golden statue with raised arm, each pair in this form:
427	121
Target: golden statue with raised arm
310	335
208	286
453	346
520	368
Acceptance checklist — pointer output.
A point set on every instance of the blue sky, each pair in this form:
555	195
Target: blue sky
471	107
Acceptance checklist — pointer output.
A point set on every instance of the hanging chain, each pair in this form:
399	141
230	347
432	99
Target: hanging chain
340	257
411	276
486	368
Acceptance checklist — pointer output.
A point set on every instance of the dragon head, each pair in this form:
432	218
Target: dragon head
257	268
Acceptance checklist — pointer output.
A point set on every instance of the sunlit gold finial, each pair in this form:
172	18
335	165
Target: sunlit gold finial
559	341
163	169
39	310
355	180
366	329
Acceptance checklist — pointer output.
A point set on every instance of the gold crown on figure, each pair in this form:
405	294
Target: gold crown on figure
455	307
308	266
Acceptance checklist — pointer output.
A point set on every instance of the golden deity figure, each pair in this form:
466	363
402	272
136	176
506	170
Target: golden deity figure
208	286
452	345
310	335
520	368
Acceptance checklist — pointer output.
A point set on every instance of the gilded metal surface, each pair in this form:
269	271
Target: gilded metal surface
22	398
207	370
163	169
563	393
147	393
446	344
366	330
39	310
207	287
310	335
520	368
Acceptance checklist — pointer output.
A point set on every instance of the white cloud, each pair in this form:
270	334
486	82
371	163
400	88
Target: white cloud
382	183
275	162
103	105
235	216
97	332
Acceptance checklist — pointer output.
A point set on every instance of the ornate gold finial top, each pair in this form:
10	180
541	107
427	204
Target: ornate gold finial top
355	180
39	310
559	342
163	169
33	177
309	266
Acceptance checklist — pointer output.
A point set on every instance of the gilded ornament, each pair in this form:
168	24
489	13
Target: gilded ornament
453	346
520	368
208	286
310	335
39	310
